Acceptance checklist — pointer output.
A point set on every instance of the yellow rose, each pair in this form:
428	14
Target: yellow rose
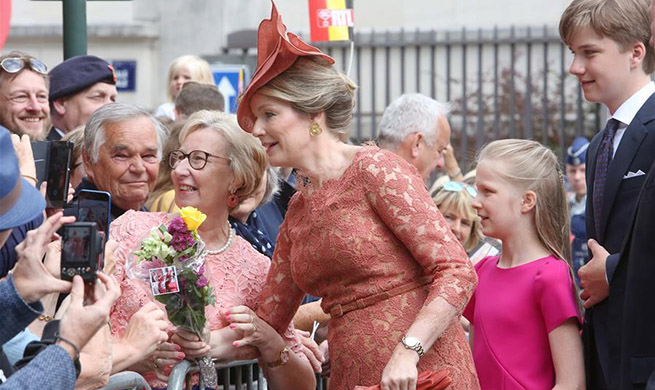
192	217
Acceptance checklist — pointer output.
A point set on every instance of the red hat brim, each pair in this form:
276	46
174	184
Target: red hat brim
277	50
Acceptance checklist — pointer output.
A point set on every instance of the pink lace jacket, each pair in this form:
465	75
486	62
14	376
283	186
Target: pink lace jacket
236	276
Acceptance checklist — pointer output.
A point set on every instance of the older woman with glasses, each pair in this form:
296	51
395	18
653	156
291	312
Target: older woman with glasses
216	167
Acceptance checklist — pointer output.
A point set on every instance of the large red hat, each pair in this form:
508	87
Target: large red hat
277	50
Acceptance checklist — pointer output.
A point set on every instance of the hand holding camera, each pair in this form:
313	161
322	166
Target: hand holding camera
31	278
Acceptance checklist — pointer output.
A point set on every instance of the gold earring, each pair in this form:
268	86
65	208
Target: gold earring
315	129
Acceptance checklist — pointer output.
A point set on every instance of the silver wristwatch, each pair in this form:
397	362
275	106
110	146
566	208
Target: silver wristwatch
414	344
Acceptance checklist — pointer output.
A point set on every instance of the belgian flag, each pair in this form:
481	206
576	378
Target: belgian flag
331	20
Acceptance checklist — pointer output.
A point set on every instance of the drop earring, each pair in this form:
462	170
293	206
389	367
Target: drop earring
315	129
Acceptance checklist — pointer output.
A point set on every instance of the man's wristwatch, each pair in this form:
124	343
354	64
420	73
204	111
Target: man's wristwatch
281	360
414	344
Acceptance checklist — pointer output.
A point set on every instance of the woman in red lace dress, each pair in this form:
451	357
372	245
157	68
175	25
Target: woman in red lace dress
362	232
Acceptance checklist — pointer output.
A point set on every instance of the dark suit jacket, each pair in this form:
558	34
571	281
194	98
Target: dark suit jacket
631	306
636	153
53	135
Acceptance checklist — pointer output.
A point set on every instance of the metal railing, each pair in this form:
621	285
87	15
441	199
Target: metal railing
511	82
238	375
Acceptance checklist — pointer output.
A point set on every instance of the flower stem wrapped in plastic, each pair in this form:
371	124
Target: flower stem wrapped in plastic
172	260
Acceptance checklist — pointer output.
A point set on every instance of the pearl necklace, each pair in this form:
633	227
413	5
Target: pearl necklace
222	249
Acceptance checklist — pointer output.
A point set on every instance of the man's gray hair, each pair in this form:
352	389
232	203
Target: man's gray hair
410	113
94	131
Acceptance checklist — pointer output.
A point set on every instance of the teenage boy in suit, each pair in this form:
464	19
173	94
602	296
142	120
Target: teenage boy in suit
609	40
632	349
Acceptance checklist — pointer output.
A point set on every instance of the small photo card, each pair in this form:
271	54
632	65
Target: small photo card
164	281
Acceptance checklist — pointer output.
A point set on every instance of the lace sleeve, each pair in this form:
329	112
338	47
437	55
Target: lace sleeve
280	297
399	197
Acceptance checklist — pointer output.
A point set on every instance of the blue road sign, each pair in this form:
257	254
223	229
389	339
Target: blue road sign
125	75
231	82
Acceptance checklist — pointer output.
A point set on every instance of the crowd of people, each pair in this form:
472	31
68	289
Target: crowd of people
328	257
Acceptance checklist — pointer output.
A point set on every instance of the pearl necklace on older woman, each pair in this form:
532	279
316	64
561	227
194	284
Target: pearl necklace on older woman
222	249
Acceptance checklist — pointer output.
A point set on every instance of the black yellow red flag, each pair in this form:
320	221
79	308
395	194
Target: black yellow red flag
331	20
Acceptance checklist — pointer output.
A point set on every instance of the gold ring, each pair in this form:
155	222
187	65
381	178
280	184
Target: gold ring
156	365
252	319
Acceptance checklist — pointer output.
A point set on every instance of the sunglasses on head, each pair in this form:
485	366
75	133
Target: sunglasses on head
455	186
15	64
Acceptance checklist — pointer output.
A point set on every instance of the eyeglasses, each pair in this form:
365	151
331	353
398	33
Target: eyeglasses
15	64
197	158
455	186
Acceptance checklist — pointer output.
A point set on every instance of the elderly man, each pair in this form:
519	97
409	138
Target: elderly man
24	95
79	86
415	127
121	155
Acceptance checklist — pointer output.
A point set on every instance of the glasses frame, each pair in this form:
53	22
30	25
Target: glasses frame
187	155
33	63
456	186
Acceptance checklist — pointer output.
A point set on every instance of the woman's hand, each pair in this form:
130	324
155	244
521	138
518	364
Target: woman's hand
401	372
190	343
311	350
146	330
164	358
255	332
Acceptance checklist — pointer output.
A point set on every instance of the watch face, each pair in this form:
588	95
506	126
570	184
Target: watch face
411	341
284	355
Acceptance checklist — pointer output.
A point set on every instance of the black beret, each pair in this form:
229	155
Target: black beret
78	73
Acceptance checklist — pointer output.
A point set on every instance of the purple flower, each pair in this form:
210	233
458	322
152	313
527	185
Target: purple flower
183	258
200	270
177	226
182	240
202	282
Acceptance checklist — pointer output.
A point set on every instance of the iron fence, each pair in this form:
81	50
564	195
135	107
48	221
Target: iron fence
511	82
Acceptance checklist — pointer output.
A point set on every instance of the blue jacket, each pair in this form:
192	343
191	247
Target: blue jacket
52	368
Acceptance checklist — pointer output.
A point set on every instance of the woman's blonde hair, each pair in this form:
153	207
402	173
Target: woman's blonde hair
531	166
248	157
197	67
459	202
311	85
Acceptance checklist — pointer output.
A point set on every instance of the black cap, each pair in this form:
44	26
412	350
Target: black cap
78	73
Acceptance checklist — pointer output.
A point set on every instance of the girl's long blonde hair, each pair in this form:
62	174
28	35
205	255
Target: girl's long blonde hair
533	167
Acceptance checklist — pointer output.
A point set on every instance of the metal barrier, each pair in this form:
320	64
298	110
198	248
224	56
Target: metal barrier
231	376
126	380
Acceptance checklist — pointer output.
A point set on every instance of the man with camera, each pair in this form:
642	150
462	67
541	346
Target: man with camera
24	95
55	366
78	86
121	154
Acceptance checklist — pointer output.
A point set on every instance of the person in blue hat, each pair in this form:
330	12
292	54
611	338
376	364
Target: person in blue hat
56	365
575	173
78	86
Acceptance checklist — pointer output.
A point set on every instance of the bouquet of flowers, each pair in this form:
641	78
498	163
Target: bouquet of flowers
172	259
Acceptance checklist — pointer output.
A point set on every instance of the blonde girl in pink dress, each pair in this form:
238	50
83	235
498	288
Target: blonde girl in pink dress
524	313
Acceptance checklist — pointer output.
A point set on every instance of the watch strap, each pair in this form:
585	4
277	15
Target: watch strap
280	360
418	347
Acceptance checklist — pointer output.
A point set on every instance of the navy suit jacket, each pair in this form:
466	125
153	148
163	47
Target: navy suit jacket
636	153
632	312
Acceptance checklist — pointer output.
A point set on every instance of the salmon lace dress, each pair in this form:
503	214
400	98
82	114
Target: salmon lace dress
373	230
236	276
